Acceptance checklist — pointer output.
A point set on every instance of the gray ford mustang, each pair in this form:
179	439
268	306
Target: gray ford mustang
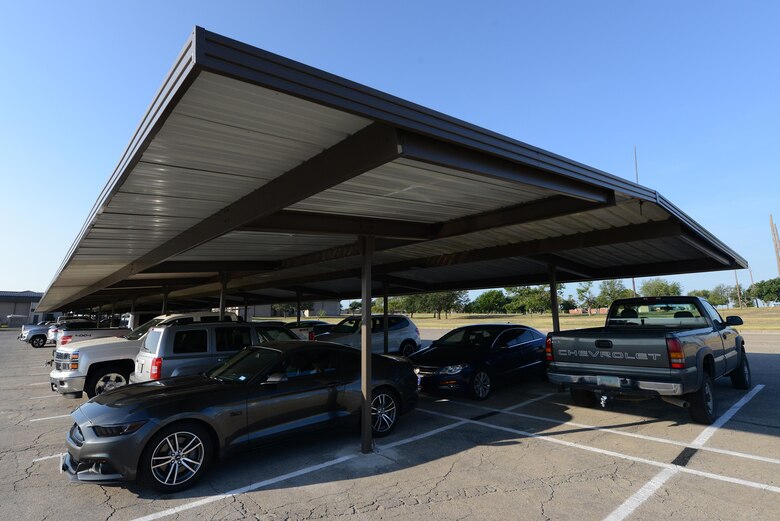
167	432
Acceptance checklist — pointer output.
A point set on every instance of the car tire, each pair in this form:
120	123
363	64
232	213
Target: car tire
584	398
480	385
385	409
184	448
740	377
38	341
407	348
105	379
703	409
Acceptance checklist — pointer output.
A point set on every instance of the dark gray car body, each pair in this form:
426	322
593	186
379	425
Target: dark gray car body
237	415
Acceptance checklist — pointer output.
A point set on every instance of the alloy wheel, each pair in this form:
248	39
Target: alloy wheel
383	412
481	384
177	458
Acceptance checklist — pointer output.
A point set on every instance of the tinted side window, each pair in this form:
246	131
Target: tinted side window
297	366
275	333
210	319
515	337
192	341
395	323
233	338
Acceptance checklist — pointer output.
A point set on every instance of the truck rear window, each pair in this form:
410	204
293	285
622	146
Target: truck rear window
657	314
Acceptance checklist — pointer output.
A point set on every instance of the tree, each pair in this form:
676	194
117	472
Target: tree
530	299
703	293
611	290
660	288
355	306
568	304
491	301
285	309
766	290
719	295
586	297
446	301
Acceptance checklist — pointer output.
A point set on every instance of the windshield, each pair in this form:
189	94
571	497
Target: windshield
348	325
475	337
141	330
245	365
658	313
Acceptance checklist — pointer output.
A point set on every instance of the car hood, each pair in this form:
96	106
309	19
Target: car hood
131	400
442	356
95	343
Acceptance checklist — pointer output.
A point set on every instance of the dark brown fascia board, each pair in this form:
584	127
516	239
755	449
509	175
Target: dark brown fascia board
364	150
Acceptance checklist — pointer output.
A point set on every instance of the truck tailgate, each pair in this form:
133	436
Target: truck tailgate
613	347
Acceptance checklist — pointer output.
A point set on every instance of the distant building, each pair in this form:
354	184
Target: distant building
22	303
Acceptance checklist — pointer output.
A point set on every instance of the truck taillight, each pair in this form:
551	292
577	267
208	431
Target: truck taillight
156	370
676	355
311	335
65	339
548	352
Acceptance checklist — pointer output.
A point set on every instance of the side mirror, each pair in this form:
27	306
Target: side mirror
734	321
275	378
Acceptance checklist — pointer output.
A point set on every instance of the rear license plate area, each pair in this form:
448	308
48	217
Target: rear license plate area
608	381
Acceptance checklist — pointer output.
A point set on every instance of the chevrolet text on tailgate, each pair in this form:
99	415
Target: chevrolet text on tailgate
672	347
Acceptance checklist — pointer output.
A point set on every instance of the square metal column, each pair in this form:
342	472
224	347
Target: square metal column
385	289
366	438
556	323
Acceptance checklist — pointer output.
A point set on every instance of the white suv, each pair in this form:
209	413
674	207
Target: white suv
402	335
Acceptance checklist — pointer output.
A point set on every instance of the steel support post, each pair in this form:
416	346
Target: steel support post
385	289
223	280
298	308
132	314
165	301
367	248
554	300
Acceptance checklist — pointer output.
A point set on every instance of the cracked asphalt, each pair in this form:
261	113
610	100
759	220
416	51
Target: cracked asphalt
543	460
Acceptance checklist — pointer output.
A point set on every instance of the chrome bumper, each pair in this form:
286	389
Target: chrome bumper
66	384
626	384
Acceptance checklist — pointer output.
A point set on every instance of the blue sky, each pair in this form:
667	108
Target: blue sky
694	85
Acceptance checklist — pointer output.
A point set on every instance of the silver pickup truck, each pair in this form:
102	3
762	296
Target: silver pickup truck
37	335
672	347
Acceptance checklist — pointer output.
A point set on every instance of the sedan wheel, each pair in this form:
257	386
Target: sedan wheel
480	385
177	459
384	411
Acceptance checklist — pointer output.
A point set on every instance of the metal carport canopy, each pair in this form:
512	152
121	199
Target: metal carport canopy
257	168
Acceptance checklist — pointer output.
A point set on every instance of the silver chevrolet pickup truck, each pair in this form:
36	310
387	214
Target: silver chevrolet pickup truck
672	347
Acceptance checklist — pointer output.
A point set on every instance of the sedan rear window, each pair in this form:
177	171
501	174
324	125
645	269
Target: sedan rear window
275	333
245	365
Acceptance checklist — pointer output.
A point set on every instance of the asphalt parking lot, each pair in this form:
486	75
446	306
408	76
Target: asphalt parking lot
526	453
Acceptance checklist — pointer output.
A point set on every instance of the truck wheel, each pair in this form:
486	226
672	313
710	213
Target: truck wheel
38	341
106	379
584	398
703	402
740	376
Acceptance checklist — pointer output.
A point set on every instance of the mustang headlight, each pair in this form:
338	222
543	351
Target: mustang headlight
452	369
118	430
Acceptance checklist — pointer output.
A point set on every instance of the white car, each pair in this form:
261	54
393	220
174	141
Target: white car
403	336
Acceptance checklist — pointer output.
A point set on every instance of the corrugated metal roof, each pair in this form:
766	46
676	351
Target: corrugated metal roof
237	134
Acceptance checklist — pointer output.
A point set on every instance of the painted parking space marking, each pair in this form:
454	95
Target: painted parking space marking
284	477
525	434
55	395
50	418
40	383
44	458
680	462
683	444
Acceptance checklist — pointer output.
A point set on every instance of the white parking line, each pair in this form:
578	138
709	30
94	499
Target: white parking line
260	484
48	457
54	395
527	402
650	488
718	477
40	383
50	418
726	452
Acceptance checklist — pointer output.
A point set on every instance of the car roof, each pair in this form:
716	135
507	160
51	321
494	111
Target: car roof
287	346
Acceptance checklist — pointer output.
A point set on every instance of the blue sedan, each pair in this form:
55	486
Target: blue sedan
473	359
